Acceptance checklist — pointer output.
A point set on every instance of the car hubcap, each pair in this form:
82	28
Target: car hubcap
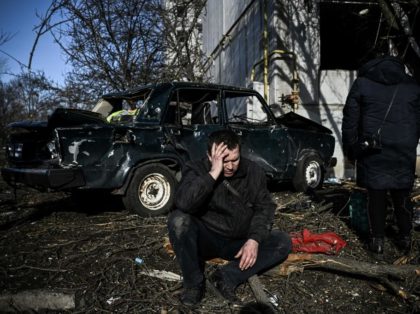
154	191
313	174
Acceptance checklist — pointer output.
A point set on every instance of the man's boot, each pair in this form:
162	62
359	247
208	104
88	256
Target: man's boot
192	296
226	289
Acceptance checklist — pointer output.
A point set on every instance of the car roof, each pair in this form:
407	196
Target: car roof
140	89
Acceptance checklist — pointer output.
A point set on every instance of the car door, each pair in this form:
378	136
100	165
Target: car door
262	140
192	114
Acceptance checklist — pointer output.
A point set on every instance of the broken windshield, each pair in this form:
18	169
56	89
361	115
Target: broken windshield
244	108
150	110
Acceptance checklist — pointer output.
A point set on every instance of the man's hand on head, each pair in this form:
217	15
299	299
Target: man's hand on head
218	153
248	254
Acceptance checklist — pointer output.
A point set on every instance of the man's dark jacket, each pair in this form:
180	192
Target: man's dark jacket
366	106
246	217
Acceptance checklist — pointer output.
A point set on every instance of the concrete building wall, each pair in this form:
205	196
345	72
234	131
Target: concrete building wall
231	47
296	29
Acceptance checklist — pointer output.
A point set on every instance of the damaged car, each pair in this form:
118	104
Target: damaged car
136	143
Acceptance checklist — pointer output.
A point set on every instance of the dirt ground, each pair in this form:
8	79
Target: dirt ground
87	250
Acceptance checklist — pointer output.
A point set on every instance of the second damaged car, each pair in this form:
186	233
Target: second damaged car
136	143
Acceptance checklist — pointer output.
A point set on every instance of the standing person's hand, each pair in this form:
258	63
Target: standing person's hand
218	153
248	254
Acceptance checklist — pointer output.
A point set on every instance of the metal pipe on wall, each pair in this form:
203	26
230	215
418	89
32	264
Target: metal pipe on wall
265	48
282	53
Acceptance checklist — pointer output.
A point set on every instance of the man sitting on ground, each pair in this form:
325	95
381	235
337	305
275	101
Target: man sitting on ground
224	209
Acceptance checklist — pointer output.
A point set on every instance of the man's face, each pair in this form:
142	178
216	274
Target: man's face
231	162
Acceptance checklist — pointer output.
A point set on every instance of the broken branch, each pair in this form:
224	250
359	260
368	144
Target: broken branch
380	272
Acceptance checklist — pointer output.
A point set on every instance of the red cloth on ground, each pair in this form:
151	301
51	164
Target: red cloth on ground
327	242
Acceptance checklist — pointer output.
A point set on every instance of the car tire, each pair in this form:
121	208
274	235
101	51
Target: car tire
151	191
309	173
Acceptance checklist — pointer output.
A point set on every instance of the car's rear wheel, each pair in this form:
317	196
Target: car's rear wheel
151	191
309	173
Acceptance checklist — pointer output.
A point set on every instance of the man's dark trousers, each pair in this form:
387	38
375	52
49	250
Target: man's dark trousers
193	244
377	207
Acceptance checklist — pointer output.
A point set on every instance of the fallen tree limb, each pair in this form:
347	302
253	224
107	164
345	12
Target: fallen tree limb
36	300
380	272
13	217
325	207
348	266
258	290
38	268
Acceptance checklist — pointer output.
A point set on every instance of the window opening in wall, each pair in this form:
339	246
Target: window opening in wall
350	33
355	31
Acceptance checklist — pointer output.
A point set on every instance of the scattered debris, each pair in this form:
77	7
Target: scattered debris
89	252
162	274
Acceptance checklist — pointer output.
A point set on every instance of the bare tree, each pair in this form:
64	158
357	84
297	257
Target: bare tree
44	27
117	45
182	28
9	109
403	20
27	96
110	44
4	38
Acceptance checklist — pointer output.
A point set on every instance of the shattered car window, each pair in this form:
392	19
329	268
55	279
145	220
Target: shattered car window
130	108
152	108
193	107
245	108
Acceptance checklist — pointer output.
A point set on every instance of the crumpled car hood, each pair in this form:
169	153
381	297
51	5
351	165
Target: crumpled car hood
293	120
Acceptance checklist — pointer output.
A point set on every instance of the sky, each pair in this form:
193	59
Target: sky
18	18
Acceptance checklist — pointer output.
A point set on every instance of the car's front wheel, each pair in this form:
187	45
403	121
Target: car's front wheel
309	173
151	191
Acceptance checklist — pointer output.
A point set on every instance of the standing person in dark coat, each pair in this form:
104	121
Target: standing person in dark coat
223	209
383	106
